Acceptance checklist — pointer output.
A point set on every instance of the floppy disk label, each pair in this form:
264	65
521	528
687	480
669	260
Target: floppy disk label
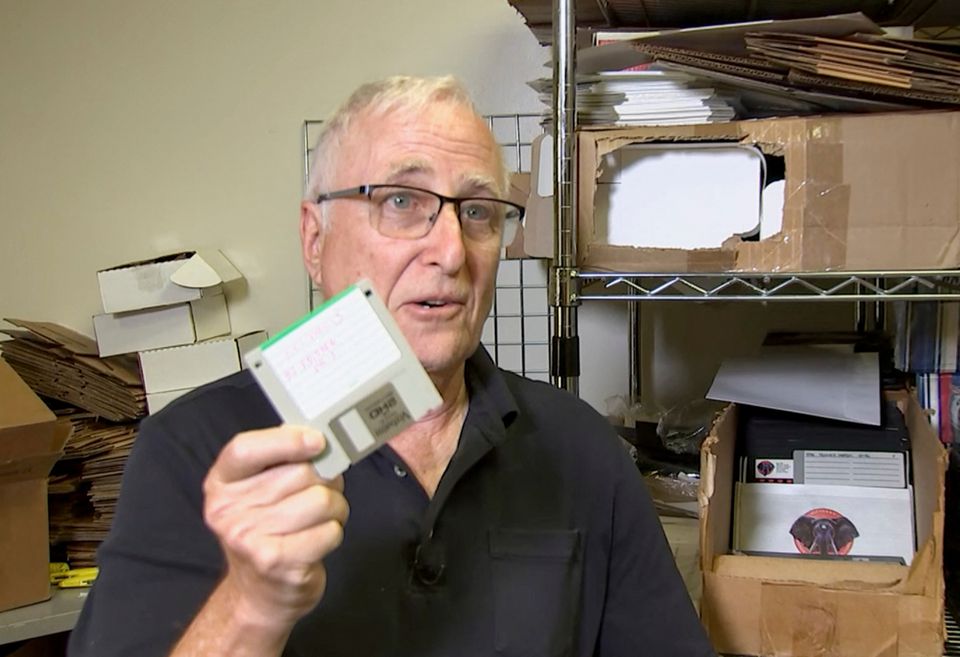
774	470
849	468
346	370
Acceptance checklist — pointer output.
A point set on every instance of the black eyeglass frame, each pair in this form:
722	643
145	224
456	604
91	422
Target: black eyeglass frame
367	191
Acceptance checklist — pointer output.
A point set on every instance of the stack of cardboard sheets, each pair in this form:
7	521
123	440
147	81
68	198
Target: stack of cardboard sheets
61	364
85	484
865	62
103	399
832	63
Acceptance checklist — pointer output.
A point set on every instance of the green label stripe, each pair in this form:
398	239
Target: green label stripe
306	318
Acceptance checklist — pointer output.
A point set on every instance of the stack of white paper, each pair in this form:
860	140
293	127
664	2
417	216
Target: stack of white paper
649	97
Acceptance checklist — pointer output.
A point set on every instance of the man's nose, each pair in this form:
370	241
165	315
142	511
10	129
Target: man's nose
445	240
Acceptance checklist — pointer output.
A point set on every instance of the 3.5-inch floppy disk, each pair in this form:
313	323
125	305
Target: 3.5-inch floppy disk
346	370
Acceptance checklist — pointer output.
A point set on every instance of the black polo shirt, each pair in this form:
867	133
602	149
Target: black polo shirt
541	539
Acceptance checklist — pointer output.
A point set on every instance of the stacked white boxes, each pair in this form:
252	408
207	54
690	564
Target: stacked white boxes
172	312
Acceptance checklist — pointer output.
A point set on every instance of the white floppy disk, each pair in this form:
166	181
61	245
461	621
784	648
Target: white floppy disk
347	370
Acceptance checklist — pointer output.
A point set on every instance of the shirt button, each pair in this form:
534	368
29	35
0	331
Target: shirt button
400	472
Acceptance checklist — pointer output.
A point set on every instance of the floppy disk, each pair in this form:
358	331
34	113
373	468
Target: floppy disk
346	370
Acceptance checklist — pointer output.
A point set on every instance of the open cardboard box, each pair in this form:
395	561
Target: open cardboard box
862	192
790	607
166	280
31	441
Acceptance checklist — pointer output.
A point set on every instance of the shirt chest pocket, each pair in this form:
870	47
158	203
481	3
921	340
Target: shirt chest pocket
536	587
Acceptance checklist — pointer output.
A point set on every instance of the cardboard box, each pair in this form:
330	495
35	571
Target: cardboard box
166	280
519	193
31	441
861	192
539	220
189	366
788	607
167	326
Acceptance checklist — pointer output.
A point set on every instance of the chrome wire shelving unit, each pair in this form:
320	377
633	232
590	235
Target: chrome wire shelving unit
570	286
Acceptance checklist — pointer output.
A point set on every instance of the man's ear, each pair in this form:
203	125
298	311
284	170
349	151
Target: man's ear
312	233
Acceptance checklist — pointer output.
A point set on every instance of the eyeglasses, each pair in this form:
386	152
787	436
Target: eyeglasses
409	213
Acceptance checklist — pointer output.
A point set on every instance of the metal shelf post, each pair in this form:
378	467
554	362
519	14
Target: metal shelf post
565	343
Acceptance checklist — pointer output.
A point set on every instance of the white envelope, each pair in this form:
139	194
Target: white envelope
812	380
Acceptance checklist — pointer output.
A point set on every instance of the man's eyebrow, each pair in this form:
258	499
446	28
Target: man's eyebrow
480	184
404	170
471	184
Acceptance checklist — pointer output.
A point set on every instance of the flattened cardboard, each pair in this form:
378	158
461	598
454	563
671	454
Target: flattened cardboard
725	39
166	280
538	227
189	366
31	440
157	328
862	192
56	335
796	607
519	193
48	357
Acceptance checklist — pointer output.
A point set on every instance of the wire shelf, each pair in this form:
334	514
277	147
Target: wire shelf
812	286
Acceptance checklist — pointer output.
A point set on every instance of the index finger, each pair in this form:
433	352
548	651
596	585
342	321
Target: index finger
252	452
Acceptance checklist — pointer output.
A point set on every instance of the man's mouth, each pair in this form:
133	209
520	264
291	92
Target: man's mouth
433	303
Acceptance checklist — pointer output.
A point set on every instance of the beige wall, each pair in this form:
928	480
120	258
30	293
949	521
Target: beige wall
131	128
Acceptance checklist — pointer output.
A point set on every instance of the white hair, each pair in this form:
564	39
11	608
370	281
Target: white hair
394	94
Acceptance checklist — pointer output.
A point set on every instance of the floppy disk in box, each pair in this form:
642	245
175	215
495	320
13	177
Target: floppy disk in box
824	521
346	370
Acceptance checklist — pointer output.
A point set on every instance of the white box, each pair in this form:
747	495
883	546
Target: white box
157	400
156	328
192	365
163	281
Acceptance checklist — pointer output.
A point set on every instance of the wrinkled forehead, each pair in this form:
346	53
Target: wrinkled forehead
415	145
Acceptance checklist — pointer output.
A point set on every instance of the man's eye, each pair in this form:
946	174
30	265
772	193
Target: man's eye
475	212
400	201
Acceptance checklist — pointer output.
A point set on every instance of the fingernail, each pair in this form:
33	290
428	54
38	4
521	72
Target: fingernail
314	439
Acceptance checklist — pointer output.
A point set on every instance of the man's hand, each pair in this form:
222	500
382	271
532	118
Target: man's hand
276	520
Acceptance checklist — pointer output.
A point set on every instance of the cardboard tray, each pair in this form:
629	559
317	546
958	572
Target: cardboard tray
788	607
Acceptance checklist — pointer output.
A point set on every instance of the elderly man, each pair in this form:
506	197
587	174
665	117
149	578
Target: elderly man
507	522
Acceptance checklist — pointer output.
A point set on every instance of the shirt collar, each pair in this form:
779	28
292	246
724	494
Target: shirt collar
492	410
491	400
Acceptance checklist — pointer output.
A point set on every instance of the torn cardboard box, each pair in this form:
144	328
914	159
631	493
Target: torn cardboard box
860	193
166	280
31	441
